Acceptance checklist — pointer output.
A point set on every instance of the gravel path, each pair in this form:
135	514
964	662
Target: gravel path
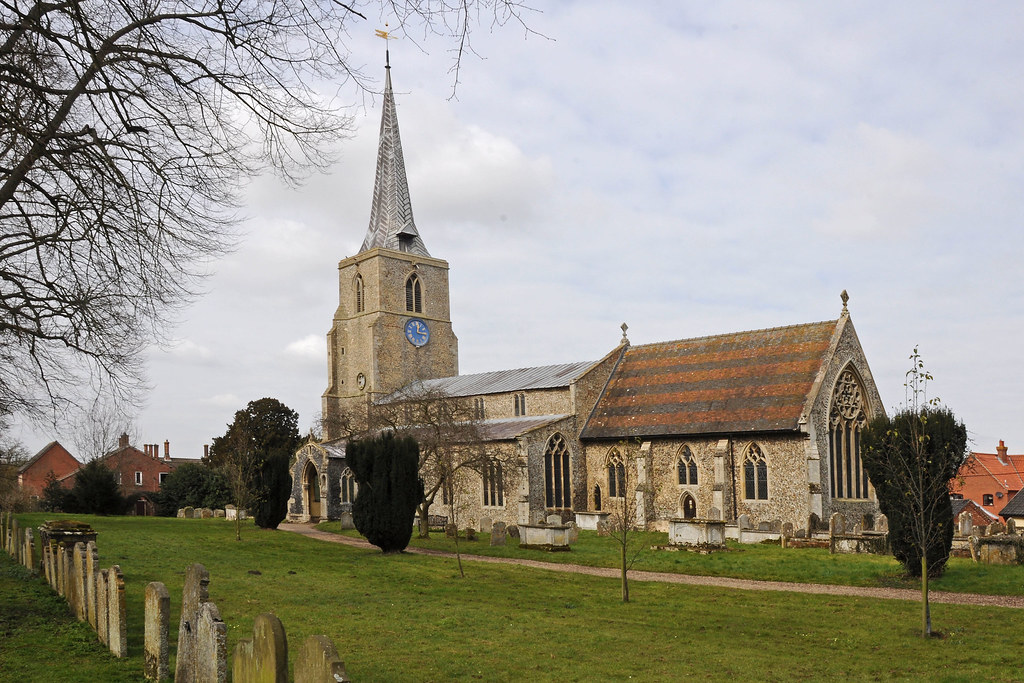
1013	601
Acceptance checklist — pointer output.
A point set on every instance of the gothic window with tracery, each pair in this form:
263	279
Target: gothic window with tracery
348	487
413	294
494	486
557	492
847	417
616	475
519	401
755	474
360	301
687	467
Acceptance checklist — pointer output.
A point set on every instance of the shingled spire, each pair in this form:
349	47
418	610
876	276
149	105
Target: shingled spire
391	222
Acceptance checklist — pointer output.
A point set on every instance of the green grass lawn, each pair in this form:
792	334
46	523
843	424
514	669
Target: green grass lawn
766	562
411	618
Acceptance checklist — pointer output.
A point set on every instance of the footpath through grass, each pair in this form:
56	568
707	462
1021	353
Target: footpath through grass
762	562
411	618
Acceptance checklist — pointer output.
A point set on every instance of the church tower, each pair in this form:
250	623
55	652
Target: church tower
393	322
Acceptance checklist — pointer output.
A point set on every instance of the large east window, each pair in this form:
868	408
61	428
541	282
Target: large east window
847	417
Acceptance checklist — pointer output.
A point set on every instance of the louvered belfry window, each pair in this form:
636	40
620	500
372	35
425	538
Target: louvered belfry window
413	294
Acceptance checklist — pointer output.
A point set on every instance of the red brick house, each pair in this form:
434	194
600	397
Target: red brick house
53	458
990	479
979	515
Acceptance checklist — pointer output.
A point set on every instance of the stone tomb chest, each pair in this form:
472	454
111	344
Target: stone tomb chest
701	532
545	537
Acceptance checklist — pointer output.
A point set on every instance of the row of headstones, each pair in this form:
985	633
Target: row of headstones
228	512
838	525
500	532
19	544
202	643
965	526
94	595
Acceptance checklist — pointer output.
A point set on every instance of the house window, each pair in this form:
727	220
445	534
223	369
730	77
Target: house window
413	294
163	476
478	408
986	499
616	475
520	404
755	474
557	493
847	418
138	478
494	486
360	301
348	487
687	467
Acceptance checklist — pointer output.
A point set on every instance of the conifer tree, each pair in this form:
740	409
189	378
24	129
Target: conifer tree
386	469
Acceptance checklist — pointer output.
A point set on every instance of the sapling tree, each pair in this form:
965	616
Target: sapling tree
625	494
912	458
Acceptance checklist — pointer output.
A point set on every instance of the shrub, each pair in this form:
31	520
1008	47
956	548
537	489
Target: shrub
386	469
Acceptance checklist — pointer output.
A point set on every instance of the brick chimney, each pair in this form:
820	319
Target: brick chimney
1001	452
122	442
206	450
167	450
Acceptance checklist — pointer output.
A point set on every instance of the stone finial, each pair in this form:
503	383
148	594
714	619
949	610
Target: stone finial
845	297
624	327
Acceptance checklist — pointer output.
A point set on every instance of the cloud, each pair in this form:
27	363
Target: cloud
229	401
311	349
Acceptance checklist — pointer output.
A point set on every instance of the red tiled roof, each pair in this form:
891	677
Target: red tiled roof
743	382
997	475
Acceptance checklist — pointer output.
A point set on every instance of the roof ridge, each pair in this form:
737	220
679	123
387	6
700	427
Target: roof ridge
732	334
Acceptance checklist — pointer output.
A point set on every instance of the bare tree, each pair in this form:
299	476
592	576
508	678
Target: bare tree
127	129
12	456
624	494
96	430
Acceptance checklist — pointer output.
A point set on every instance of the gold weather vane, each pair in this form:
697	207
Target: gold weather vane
386	35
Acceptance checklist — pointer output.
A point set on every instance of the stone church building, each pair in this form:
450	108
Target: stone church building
764	422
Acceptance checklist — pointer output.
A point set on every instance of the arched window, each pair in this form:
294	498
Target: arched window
494	486
413	294
519	401
557	492
360	301
348	487
687	467
597	497
616	475
847	417
755	474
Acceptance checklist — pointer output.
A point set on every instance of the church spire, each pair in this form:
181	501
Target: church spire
391	222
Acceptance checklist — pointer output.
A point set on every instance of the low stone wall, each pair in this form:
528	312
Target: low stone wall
71	567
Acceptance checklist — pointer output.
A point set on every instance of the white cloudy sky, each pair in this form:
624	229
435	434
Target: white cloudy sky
688	168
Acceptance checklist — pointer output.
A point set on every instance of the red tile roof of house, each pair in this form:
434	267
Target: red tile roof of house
998	475
752	381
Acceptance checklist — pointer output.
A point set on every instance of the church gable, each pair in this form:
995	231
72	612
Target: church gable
751	381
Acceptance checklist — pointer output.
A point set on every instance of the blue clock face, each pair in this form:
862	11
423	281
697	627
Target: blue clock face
417	332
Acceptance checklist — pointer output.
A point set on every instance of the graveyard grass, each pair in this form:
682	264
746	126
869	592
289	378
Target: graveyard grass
410	617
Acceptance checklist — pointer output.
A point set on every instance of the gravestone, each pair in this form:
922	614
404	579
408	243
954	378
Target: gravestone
318	662
92	562
813	523
117	631
743	522
211	646
603	528
62	571
867	522
1011	526
553	520
574	533
801	533
194	593
218	513
512	531
102	618
965	524
230	512
347	522
775	526
485	525
715	514
995	529
787	529
764	526
12	539
882	524
470	533
206	513
181	513
189	512
498	533
451	531
264	657
158	623
30	551
77	599
837	524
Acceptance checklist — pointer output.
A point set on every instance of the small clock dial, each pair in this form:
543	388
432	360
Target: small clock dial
417	332
361	380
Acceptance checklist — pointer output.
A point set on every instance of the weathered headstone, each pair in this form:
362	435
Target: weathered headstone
318	662
264	657
346	520
775	526
450	530
181	513
813	523
92	560
30	551
158	622
553	520
102	615
194	593
715	514
206	513
787	529
743	522
512	531
485	525
764	526
965	524
12	539
995	529
837	524
602	528
218	513
574	533
801	533
470	533
189	512
1011	526
211	646
498	533
117	630
230	512
882	524
77	599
